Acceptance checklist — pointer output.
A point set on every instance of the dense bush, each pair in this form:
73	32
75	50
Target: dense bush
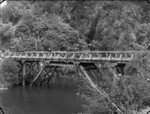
90	25
9	72
130	92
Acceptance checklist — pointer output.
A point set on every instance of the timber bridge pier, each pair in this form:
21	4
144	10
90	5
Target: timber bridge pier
85	61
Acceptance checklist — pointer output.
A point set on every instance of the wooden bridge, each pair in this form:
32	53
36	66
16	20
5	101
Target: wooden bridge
55	59
63	58
86	63
81	56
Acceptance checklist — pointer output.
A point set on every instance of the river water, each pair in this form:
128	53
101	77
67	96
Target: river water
59	99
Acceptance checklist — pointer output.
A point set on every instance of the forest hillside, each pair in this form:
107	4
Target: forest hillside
115	25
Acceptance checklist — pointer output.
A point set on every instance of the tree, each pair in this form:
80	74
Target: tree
9	72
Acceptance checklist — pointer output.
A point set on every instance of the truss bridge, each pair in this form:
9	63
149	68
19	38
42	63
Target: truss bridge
81	56
42	66
31	59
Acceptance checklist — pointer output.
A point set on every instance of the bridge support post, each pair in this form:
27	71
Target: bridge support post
37	76
32	68
115	76
24	73
52	75
44	76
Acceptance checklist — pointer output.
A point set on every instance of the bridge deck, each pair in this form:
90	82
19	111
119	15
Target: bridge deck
86	56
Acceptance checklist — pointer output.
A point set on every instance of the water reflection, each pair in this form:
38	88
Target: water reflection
60	99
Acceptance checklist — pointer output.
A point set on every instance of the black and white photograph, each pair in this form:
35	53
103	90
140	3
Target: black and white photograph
74	56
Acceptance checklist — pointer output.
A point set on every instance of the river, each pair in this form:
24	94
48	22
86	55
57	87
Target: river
61	98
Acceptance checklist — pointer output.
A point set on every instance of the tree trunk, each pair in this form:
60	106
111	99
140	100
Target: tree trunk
91	33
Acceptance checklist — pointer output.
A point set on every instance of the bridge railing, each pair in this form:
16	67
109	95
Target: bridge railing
78	56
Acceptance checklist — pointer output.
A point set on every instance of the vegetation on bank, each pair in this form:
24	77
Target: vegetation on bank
9	73
130	92
83	25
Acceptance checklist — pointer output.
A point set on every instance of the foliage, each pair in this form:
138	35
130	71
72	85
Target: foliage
83	25
130	92
106	25
9	72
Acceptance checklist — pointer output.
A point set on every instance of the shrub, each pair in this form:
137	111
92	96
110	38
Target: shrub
9	72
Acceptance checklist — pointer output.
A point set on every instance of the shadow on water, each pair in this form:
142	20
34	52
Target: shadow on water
60	99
